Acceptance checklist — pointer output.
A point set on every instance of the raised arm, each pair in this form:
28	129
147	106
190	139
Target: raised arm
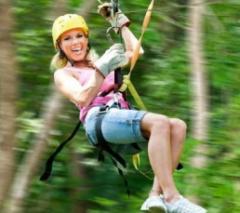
130	41
120	24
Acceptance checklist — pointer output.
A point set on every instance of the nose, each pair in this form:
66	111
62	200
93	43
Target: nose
75	40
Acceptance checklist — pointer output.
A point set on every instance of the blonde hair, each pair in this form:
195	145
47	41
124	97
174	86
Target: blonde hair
59	60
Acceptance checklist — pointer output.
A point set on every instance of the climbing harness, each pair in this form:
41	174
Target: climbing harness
104	146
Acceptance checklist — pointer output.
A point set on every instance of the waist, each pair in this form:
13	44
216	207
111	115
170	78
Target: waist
101	101
91	112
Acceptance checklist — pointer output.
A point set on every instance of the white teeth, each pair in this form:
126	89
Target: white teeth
76	49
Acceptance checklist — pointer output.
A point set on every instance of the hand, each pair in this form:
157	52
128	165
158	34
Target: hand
113	58
117	21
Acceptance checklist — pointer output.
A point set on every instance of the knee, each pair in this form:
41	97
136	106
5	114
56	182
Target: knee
161	123
178	125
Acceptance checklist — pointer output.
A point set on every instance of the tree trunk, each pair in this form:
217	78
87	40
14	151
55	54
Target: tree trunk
23	178
52	109
79	173
199	88
8	97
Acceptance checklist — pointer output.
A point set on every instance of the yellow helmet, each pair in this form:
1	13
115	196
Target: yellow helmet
65	23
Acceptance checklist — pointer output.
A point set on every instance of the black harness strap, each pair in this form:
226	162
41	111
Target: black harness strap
179	166
49	163
118	79
120	171
103	145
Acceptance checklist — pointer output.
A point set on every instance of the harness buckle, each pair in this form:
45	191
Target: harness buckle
103	109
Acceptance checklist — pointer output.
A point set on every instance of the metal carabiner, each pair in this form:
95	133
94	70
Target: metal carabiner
114	10
114	7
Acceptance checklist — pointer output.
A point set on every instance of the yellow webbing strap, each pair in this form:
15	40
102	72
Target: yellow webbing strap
144	27
126	78
128	84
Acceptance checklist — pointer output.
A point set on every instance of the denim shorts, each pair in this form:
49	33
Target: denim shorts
119	126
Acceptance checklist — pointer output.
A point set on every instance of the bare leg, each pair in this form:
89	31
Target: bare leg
178	133
165	147
160	153
156	189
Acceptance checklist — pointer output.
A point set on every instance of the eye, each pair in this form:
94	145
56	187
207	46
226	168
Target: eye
80	35
67	38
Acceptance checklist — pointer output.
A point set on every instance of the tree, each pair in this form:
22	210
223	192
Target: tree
199	80
51	110
199	84
8	97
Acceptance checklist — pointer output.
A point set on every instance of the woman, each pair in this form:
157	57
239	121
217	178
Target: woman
82	79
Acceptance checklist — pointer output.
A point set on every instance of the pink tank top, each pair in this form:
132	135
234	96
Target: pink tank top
83	75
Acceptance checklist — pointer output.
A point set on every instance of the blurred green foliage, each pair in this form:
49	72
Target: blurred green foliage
162	77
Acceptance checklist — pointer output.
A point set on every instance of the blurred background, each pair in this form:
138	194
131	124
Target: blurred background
190	70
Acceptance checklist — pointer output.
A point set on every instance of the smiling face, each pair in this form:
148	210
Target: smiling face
74	44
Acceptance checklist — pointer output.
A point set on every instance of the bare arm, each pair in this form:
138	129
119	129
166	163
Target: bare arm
74	91
130	41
